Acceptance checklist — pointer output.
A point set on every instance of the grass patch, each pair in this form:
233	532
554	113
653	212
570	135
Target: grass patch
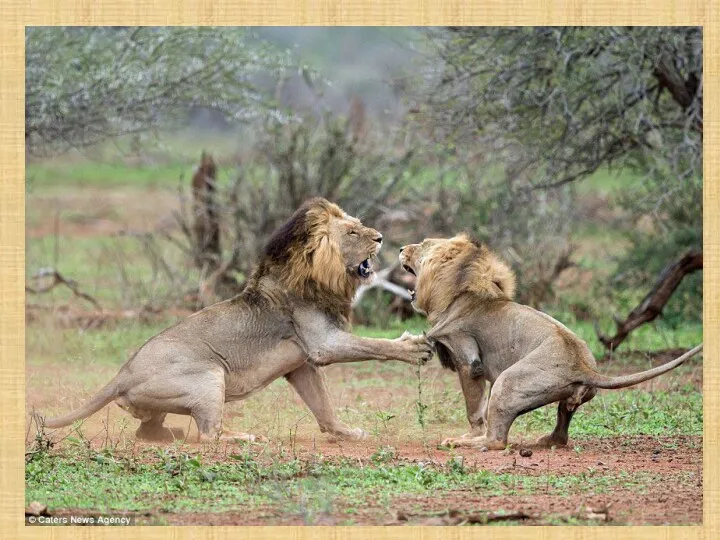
606	182
82	349
622	413
116	271
41	175
171	481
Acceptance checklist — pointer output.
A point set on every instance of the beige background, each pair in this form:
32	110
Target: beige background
16	14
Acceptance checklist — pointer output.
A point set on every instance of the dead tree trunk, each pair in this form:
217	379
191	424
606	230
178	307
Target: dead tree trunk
653	304
206	224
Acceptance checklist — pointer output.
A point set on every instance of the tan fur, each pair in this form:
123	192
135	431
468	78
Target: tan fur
288	321
529	358
457	266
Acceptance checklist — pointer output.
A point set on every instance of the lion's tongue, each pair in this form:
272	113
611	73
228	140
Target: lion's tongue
365	268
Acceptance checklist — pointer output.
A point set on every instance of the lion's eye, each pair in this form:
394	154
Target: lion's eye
352	233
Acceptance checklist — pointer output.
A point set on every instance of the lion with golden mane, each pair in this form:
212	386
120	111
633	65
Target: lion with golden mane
290	320
529	358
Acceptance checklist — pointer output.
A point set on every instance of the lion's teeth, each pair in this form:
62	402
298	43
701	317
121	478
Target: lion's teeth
411	291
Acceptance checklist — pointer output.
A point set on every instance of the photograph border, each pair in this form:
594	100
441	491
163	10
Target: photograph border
16	15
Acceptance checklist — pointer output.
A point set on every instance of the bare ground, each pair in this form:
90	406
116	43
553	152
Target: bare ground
677	461
54	387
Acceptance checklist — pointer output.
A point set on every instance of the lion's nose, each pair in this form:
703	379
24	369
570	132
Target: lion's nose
379	239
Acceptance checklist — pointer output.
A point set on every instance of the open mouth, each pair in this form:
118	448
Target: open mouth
365	268
408	269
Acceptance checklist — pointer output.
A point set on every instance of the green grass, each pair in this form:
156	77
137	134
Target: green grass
655	336
106	175
117	271
169	155
625	413
171	481
83	349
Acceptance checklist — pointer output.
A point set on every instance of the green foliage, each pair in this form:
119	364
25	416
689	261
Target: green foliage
575	98
84	85
554	105
652	251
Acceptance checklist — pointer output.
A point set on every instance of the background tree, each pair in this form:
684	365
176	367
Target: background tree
84	85
554	105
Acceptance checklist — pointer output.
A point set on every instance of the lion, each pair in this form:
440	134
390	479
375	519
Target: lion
289	321
529	358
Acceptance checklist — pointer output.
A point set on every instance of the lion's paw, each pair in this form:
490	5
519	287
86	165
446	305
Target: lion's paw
348	434
549	441
483	443
419	349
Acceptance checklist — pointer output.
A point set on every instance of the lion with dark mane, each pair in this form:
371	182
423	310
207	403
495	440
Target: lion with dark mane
529	358
290	320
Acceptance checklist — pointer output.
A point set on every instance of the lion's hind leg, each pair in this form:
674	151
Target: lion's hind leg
207	410
565	412
152	429
520	389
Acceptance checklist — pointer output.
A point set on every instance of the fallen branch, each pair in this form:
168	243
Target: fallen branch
494	516
654	302
455	517
382	281
59	279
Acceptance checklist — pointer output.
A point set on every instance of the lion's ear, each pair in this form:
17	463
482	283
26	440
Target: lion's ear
475	241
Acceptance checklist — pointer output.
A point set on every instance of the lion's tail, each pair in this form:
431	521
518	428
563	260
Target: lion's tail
94	404
599	380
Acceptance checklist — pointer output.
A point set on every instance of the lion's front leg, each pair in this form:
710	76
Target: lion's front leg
339	346
309	382
475	400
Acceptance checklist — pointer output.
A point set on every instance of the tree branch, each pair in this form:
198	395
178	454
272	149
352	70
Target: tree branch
654	302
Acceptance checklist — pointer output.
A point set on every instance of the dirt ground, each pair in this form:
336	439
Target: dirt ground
675	499
279	414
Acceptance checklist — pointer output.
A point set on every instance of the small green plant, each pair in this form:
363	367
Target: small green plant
384	454
420	406
456	465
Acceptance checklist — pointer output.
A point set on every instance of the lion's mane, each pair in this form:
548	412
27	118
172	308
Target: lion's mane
459	266
303	258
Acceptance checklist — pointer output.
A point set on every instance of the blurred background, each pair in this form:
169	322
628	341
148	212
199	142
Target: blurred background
158	160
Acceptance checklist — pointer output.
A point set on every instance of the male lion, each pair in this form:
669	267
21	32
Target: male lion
289	320
529	358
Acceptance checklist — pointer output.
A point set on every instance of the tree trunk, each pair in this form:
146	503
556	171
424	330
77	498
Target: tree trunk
653	304
206	224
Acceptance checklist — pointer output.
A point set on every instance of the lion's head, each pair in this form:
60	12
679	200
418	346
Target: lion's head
447	268
321	251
